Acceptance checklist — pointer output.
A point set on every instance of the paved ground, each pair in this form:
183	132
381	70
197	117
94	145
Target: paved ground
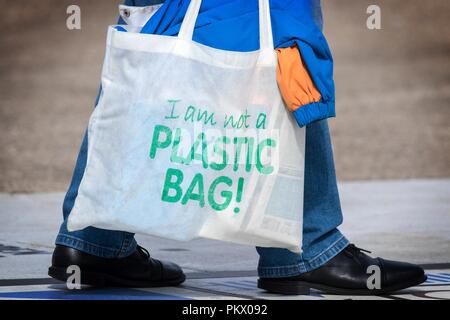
393	94
393	89
405	220
214	288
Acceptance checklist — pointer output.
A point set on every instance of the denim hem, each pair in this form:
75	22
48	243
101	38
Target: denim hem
127	248
305	266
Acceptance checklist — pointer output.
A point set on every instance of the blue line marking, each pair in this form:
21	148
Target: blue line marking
438	277
91	294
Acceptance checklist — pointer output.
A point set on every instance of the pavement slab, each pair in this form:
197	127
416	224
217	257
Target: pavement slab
405	219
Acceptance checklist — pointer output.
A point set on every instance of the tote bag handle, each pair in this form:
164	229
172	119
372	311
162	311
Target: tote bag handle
265	25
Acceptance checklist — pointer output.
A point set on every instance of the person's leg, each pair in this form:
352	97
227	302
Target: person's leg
107	258
322	213
328	262
98	242
322	209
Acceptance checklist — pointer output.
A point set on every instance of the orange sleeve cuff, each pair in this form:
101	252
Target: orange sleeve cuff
294	81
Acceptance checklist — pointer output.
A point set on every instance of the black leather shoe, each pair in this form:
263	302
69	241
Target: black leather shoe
348	274
137	270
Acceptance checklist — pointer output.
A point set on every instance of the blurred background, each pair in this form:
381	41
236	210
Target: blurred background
393	89
391	135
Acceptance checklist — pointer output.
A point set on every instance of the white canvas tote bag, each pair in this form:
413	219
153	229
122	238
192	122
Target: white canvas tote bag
190	141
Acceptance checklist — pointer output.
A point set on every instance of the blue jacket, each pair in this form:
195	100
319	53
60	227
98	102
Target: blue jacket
233	25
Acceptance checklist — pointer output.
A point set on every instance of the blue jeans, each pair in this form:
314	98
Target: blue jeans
322	212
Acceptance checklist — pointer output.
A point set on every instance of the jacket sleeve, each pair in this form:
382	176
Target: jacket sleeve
299	92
